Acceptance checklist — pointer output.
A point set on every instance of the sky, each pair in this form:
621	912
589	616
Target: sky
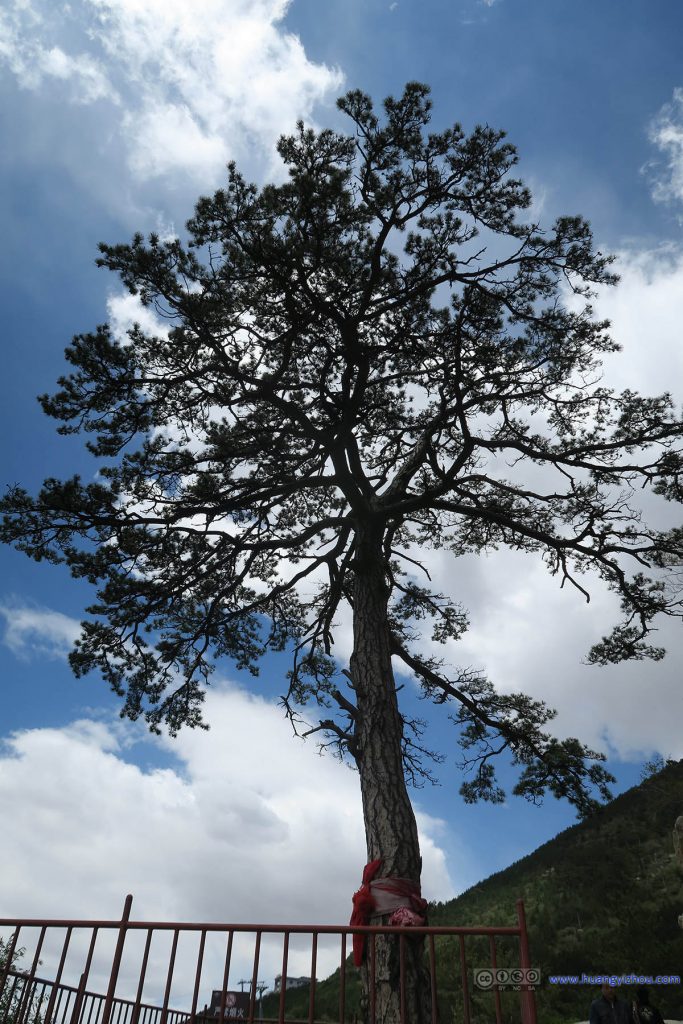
115	116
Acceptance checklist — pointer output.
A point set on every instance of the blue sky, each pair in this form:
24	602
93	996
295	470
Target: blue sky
115	115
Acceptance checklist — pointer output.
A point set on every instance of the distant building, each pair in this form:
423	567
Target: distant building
291	982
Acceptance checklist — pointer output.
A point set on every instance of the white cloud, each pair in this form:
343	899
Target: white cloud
252	826
31	630
666	132
37	63
124	310
195	84
646	311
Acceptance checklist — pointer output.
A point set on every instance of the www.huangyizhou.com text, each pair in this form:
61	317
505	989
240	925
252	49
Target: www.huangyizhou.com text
614	979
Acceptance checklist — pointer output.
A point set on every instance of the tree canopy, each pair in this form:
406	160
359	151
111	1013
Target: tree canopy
364	360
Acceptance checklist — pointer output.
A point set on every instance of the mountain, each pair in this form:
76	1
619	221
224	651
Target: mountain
602	897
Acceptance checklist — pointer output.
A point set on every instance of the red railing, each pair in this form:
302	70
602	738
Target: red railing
102	970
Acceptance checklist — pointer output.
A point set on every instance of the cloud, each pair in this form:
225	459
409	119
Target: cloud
645	311
36	64
34	631
194	85
666	132
251	825
124	310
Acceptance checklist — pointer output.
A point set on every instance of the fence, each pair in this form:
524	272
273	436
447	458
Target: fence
114	972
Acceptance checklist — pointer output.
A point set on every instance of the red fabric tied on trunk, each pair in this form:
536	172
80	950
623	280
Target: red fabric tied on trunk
378	896
363	906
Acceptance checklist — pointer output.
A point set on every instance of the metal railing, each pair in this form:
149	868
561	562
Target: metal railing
81	966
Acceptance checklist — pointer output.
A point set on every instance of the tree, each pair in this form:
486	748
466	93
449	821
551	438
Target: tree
19	1003
362	360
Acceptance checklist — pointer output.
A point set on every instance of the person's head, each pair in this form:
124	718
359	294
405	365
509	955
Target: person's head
643	996
608	991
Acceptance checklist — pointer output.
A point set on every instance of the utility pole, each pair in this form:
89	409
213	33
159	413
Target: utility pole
261	986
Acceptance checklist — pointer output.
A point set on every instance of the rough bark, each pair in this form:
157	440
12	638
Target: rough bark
390	826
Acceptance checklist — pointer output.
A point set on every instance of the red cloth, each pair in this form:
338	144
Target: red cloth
363	906
379	896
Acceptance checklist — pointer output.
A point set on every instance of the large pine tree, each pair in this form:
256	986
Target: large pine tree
359	362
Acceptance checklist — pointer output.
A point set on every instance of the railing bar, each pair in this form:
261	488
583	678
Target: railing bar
432	977
59	1001
465	986
496	989
25	1001
141	980
226	975
51	1003
254	979
57	1004
10	998
169	977
402	975
19	978
91	950
42	993
100	1007
92	1004
118	1016
118	953
76	1015
197	978
314	967
342	980
294	929
373	994
74	996
283	986
69	997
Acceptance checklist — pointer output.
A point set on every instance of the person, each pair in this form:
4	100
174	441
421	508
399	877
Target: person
608	1008
643	1012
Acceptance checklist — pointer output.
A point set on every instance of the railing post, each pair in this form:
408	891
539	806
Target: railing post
76	1015
118	953
25	1007
528	1001
79	999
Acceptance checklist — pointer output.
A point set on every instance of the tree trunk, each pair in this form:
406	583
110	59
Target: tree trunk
390	826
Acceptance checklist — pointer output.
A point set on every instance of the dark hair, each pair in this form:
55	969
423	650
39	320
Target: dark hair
642	995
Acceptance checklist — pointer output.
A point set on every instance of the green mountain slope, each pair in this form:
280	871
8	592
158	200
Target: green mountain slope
601	897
